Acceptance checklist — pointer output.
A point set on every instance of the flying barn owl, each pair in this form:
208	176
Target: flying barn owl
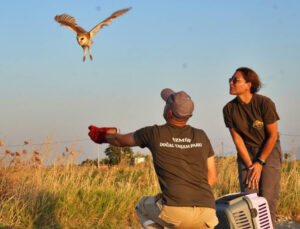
84	38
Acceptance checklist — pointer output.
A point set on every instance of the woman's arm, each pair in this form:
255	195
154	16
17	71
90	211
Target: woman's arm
255	170
272	136
240	146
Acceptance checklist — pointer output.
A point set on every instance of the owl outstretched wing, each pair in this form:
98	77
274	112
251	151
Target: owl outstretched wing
69	22
107	21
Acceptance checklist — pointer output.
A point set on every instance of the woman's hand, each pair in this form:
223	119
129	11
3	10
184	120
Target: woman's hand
253	176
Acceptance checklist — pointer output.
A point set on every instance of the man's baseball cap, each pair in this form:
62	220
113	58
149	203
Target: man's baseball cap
180	102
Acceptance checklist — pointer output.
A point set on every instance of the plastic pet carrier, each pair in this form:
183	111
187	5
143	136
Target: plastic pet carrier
243	211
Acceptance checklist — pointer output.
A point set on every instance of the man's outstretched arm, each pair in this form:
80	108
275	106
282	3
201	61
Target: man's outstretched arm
121	139
109	135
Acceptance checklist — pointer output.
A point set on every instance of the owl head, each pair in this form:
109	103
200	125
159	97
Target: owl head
83	39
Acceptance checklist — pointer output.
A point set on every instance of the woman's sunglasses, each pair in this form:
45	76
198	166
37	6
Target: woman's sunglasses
234	80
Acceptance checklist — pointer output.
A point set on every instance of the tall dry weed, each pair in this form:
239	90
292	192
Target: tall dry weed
65	195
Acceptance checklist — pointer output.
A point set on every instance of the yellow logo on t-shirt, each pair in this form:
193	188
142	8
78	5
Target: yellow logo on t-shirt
258	124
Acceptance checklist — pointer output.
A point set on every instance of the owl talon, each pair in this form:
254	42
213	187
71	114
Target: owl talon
91	57
83	59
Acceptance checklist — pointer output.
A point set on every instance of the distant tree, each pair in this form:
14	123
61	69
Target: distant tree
105	161
89	162
286	155
115	154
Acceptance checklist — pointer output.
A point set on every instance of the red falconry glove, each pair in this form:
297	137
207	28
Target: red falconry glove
98	135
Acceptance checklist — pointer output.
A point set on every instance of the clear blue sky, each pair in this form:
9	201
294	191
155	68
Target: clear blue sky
184	45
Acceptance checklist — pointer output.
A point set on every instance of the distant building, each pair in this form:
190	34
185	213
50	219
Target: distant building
138	160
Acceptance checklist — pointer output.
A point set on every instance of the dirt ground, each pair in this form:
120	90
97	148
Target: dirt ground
288	225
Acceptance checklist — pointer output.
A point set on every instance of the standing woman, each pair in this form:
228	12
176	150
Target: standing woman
252	122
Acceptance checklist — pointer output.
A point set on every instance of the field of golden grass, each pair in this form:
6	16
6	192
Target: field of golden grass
65	195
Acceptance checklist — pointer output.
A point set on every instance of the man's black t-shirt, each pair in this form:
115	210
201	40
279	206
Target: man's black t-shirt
180	161
249	120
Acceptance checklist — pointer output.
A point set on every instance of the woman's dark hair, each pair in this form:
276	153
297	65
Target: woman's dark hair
251	76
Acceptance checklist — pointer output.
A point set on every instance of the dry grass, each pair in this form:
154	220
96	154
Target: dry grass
64	195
